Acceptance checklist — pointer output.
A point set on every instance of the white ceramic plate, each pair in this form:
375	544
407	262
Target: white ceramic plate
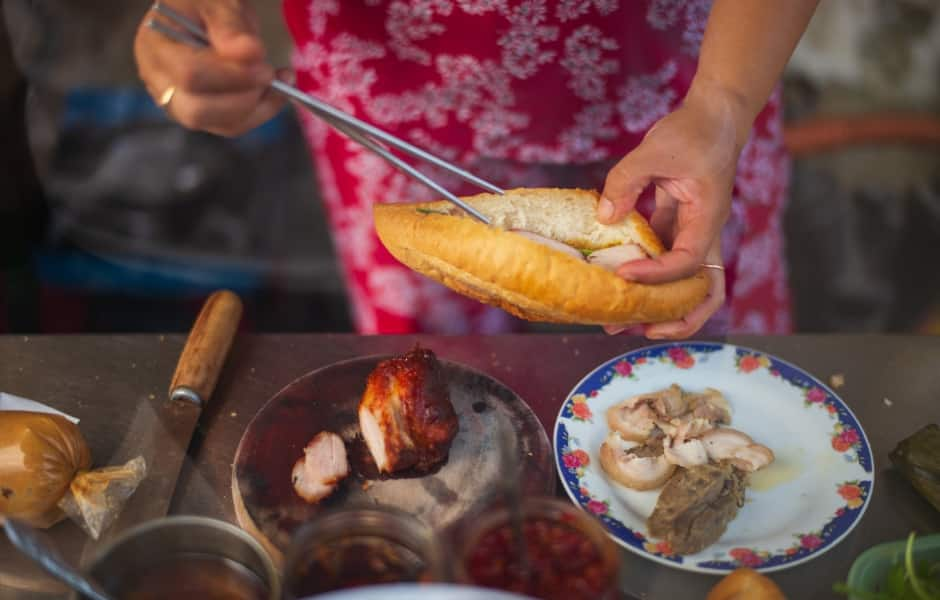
802	505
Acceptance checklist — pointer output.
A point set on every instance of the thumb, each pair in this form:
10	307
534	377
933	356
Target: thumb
624	184
233	30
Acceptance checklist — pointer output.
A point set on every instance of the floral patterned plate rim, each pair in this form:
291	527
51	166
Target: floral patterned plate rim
805	503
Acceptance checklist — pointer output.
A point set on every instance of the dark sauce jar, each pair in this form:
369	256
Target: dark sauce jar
357	547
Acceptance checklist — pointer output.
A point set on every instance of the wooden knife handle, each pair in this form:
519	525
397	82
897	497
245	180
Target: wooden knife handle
208	344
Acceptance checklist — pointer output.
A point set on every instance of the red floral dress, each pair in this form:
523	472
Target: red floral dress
524	93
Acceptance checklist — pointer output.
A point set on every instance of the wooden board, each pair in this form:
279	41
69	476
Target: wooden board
328	399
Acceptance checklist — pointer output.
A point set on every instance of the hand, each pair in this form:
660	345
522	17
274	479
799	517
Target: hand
222	89
690	156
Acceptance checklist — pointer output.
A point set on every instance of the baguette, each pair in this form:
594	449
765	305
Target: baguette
529	279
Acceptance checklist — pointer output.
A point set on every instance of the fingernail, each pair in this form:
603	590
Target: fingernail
605	209
624	273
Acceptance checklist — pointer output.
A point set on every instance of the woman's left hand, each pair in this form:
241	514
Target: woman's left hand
690	156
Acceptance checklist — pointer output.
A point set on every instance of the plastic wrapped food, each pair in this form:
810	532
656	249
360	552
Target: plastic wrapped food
918	458
40	455
45	476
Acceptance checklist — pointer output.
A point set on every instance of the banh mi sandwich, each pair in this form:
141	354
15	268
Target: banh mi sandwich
544	257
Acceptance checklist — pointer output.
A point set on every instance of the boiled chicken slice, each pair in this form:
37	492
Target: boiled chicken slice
636	417
637	467
689	453
634	423
667	403
736	447
687	427
711	405
316	474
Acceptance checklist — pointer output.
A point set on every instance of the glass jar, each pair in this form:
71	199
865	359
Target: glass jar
186	557
355	547
569	554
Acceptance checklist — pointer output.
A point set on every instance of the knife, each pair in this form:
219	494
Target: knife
161	429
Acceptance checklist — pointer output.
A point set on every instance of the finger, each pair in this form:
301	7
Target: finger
624	184
663	219
692	322
694	238
232	26
225	114
195	70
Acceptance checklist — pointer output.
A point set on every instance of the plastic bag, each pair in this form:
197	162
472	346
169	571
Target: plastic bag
94	498
45	476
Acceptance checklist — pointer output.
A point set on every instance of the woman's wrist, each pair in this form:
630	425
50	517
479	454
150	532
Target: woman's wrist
725	104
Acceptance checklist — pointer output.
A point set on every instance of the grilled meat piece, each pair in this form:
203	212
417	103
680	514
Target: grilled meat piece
696	505
406	416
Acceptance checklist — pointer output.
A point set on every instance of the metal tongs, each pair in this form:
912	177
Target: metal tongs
369	136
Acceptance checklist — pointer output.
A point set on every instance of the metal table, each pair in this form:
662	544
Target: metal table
91	376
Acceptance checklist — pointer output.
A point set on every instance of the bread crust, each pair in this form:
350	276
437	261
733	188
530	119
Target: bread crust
525	278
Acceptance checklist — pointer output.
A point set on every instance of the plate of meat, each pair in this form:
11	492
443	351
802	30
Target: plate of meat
412	431
708	457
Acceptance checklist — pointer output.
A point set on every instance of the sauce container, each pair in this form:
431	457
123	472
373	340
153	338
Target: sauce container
186	557
568	552
355	547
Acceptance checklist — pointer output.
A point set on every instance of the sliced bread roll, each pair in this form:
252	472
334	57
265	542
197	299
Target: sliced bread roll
532	280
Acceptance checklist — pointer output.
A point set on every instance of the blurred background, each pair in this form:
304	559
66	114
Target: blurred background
114	219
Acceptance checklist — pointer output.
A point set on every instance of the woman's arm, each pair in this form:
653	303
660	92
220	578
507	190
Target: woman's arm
746	46
691	154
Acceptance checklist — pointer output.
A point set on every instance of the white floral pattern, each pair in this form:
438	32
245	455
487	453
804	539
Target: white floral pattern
646	98
410	22
568	10
584	60
522	49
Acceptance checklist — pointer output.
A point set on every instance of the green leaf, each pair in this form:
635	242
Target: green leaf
912	574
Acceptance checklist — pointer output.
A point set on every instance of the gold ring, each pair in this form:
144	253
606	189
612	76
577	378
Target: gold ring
167	96
710	266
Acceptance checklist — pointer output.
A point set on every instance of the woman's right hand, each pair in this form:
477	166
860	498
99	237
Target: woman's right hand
223	89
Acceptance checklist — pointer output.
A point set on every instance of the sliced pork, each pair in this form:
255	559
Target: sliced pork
611	258
318	472
737	448
405	415
637	467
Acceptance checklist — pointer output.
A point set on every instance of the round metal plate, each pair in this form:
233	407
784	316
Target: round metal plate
328	399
